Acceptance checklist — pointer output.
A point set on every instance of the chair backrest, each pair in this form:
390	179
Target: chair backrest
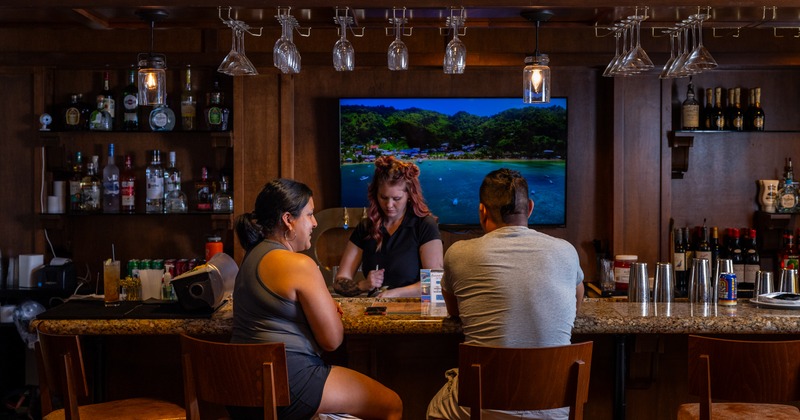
249	375
524	378
744	371
61	368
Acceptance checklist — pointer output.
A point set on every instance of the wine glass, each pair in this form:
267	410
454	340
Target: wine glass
700	59
397	54
284	54
610	70
231	57
343	53
678	68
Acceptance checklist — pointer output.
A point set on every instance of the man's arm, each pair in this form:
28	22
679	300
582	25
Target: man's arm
451	303
578	296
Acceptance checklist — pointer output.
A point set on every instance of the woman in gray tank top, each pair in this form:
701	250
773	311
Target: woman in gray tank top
281	296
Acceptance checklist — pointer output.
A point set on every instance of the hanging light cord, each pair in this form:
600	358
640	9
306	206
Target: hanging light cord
536	51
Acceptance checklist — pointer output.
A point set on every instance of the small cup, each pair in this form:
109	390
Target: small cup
111	283
788	280
764	283
664	283
607	275
639	287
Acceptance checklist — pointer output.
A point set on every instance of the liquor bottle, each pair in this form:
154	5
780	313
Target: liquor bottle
109	104
719	113
679	264
703	248
86	111
111	187
748	113
690	110
216	114
188	104
787	194
90	188
74	115
100	119
729	112
154	176
688	246
737	116
130	101
735	253
128	187
715	246
172	175
176	200
788	255
223	200
758	113
75	184
708	112
752	264
203	193
162	118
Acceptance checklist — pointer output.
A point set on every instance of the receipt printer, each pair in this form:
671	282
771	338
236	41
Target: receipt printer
207	286
59	274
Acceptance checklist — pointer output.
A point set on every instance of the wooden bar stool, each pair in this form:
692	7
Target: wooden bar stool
62	374
247	375
754	374
495	378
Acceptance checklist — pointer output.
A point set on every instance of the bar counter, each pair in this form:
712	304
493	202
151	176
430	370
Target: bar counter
596	316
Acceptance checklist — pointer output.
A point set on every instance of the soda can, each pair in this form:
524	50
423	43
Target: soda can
181	266
726	289
145	264
170	265
157	264
133	268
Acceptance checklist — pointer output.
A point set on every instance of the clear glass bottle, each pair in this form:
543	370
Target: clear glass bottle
223	200
90	188
128	187
130	102
162	118
111	187
690	110
154	176
100	119
176	201
172	175
188	103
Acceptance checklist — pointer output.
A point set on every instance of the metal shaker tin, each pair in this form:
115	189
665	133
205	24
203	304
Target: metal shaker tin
726	289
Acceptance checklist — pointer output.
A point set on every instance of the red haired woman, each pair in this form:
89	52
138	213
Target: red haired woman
399	237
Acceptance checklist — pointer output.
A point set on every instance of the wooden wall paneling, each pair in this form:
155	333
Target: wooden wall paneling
666	245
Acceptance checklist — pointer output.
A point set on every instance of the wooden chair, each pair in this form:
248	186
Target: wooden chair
755	374
248	375
494	378
62	374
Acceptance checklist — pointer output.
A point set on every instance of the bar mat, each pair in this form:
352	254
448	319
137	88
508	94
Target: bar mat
95	309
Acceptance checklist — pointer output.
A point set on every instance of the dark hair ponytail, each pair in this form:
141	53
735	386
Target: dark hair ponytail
276	198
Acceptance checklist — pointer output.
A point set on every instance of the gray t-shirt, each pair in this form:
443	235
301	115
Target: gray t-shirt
515	287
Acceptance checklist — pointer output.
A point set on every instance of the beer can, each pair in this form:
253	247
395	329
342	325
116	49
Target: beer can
133	268
726	289
181	266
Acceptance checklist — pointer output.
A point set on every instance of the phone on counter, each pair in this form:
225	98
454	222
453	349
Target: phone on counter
375	310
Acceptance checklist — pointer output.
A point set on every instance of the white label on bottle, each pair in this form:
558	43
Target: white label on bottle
622	274
679	260
160	119
750	271
155	188
131	102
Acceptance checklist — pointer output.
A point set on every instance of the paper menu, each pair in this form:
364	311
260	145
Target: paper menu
431	285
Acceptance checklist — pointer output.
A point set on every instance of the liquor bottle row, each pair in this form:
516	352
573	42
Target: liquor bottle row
738	245
105	114
115	191
717	114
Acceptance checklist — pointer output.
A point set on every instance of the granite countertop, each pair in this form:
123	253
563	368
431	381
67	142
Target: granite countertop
596	316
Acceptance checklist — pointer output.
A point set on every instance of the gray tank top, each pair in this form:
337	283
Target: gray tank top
260	315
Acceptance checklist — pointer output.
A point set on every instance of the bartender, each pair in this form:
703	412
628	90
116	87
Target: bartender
398	237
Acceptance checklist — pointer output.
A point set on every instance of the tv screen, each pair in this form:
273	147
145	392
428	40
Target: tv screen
456	142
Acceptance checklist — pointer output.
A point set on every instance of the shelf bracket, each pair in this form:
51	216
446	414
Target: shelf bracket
680	145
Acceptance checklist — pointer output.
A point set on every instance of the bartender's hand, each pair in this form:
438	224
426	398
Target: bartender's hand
374	279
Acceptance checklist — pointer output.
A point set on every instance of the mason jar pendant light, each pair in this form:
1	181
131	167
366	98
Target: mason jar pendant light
536	74
152	67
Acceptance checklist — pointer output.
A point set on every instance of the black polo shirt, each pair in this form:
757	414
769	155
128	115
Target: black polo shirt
399	254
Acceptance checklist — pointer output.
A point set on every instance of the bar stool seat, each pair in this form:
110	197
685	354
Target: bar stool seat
62	374
753	377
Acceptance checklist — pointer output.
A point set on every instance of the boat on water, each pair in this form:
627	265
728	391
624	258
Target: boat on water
455	201
363	178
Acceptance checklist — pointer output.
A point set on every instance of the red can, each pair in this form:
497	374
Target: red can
213	246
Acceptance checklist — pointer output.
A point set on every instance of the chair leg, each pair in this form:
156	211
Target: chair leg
475	409
189	390
705	397
270	409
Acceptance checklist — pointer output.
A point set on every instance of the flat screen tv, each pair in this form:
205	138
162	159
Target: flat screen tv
456	142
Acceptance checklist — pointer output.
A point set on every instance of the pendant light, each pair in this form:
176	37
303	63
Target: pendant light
536	74
152	67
